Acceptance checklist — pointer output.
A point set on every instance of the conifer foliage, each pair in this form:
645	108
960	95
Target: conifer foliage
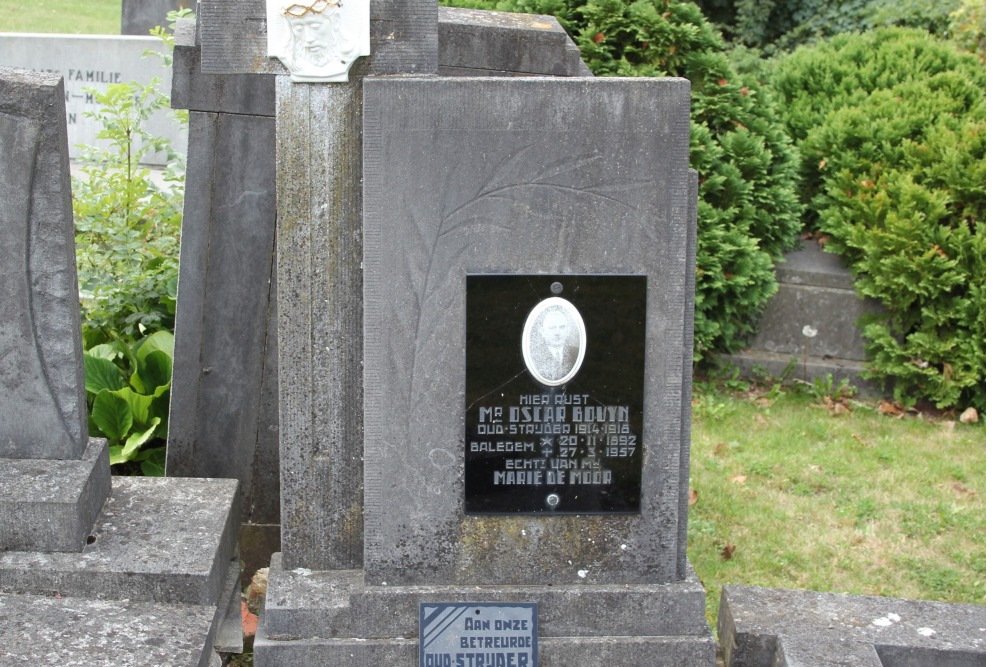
891	125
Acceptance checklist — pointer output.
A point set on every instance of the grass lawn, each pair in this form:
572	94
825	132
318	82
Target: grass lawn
98	17
786	493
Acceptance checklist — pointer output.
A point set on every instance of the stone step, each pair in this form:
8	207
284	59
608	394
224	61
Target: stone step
169	540
793	628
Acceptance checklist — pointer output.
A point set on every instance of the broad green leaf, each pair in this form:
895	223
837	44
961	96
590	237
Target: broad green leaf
154	462
112	415
153	372
115	452
104	351
140	405
137	440
161	340
100	373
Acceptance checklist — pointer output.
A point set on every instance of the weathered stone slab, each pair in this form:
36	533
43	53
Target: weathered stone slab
77	632
41	359
790	628
319	323
483	43
141	16
193	89
51	505
529	176
815	296
338	604
157	539
221	423
552	652
816	291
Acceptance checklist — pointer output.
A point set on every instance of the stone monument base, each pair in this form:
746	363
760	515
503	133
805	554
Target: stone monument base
51	504
334	618
45	630
161	558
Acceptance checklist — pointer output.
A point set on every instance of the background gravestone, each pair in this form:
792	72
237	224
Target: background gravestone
141	16
159	553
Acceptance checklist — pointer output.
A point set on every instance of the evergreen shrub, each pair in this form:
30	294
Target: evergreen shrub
782	26
748	209
891	126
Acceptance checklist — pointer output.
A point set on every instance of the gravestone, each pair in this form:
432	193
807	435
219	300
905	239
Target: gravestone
150	564
789	628
141	16
90	64
810	328
468	186
224	416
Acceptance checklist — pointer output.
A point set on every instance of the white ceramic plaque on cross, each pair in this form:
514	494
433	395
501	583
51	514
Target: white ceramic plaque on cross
318	40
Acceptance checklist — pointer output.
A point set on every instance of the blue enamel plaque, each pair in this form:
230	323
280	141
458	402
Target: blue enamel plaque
463	634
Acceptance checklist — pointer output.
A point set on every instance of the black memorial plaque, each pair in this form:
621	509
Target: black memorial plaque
554	393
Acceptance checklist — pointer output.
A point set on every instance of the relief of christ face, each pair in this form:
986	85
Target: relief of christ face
315	38
318	40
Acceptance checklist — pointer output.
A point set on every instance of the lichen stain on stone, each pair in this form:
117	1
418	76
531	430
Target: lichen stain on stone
352	524
562	545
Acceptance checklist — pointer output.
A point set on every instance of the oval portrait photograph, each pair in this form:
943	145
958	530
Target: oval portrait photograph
554	341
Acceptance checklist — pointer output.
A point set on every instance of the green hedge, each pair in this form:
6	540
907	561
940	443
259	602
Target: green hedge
748	209
782	26
891	125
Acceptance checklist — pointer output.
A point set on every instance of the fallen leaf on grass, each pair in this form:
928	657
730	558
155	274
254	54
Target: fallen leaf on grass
961	488
738	479
970	416
721	448
692	497
727	551
891	409
760	419
839	408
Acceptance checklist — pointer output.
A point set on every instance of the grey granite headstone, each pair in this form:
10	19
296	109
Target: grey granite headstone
53	478
790	628
403	38
523	176
41	359
474	42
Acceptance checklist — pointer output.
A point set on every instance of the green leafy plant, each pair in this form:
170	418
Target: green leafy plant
127	238
891	125
128	396
748	209
127	227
